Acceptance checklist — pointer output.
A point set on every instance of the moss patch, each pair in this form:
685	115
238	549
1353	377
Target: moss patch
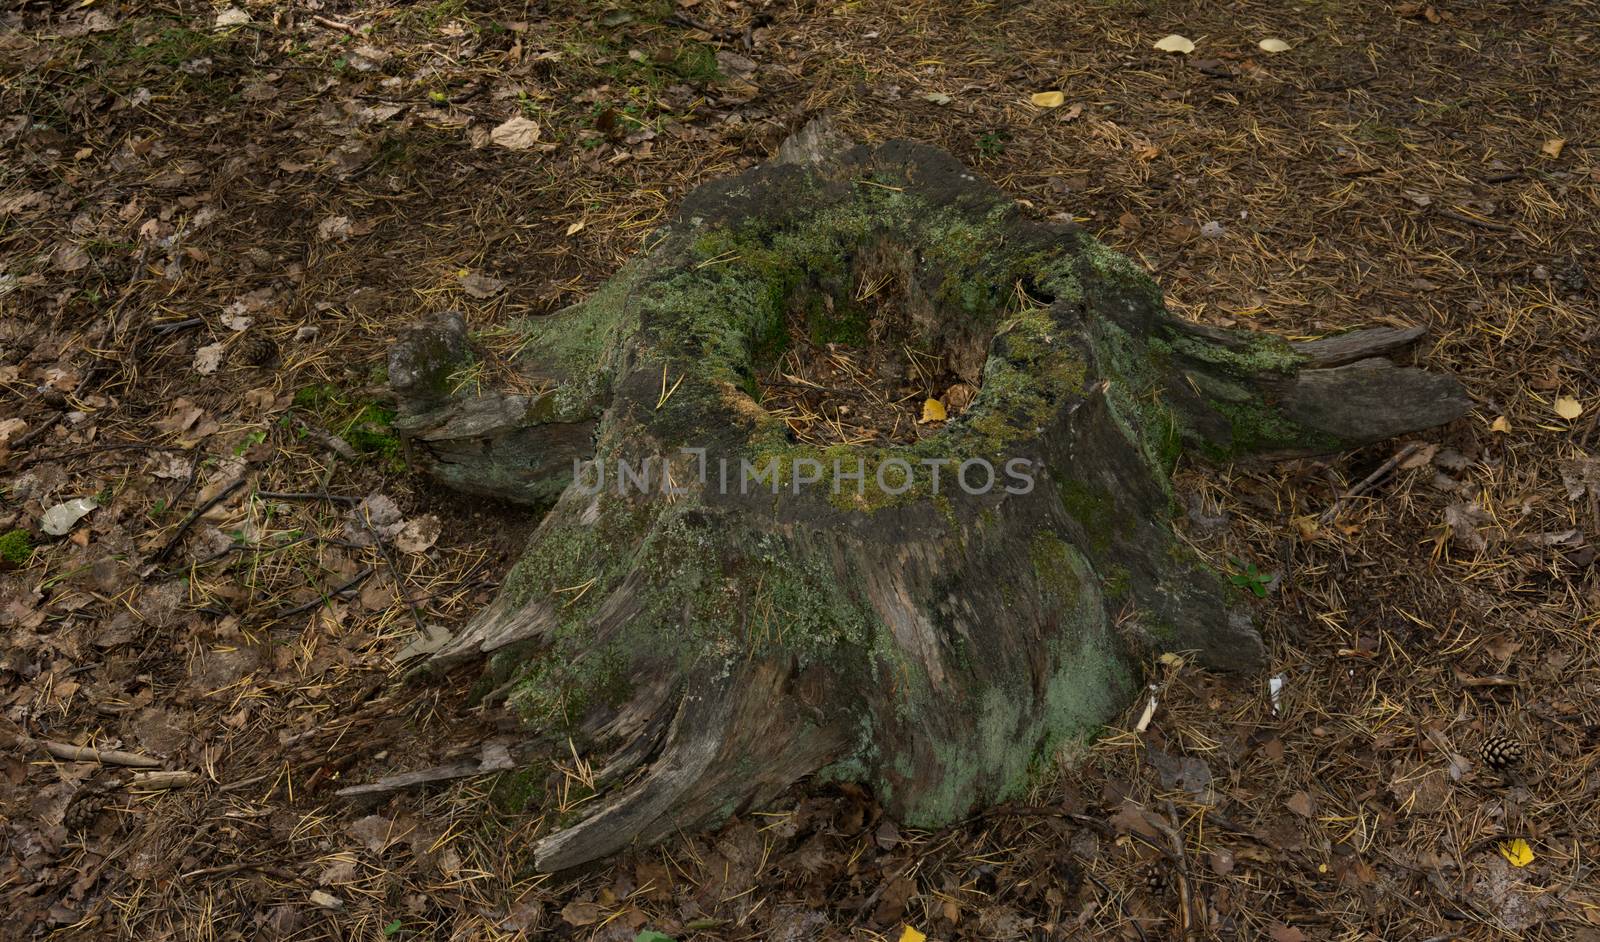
16	547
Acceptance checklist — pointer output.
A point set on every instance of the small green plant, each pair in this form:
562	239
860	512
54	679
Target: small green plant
1249	577
366	425
651	935
16	547
392	928
254	438
993	143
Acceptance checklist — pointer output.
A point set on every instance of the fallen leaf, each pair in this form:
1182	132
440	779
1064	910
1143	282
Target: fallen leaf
418	534
70	258
63	516
480	286
957	398
232	16
1048	99
909	934
1517	852
1283	933
1132	817
1580	476
433	638
1501	424
1568	408
1274	45
580	914
932	411
1175	43
208	359
575	228
12	428
1300	804
1463	521
938	98
1552	147
340	228
518	133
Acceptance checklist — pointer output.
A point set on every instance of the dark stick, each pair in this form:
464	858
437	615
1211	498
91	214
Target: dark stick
123	446
394	571
349	584
195	515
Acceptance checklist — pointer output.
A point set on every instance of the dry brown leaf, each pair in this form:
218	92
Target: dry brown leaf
518	133
580	914
1552	147
1568	408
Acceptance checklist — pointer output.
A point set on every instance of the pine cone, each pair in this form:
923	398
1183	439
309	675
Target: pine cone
1155	879
1501	753
257	350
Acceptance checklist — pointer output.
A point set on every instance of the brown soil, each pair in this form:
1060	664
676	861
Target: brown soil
874	392
329	171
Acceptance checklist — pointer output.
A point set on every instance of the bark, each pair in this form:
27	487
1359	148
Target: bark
708	648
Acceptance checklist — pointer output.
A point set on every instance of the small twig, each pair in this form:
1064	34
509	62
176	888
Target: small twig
223	869
394	571
335	24
1185	894
349	584
167	327
297	495
28	439
189	521
1489	224
1371	479
73	753
163	779
122	446
1122	904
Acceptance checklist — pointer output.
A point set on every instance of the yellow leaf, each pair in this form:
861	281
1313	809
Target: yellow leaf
911	935
1175	43
1274	45
1552	147
932	411
1517	851
1568	408
1501	424
1048	99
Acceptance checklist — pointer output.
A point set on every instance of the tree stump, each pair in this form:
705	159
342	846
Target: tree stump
729	596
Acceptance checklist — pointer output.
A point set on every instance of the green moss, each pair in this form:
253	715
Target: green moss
1054	568
1087	684
1258	354
1092	508
1119	582
1258	428
16	547
519	790
366	425
369	430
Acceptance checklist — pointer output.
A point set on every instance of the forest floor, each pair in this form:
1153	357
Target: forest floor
214	219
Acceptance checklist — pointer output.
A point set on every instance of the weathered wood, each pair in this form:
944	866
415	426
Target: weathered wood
709	646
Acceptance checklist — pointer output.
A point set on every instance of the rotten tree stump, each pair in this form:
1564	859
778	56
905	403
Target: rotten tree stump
737	610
